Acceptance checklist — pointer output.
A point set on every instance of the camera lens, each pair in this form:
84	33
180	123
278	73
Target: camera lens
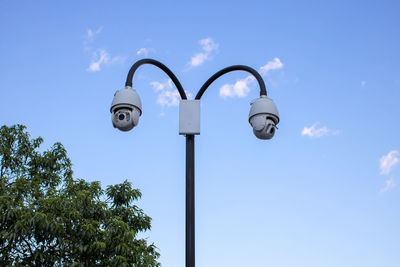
121	117
272	130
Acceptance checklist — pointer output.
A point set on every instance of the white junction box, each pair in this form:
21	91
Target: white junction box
189	117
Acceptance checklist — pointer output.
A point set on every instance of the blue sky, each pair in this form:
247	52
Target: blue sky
323	192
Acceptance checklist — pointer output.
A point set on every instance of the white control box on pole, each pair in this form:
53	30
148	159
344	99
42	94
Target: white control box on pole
189	117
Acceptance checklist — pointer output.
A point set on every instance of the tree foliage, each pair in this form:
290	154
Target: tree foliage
48	218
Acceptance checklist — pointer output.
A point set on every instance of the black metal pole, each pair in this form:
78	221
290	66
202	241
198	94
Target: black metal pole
190	211
190	197
158	64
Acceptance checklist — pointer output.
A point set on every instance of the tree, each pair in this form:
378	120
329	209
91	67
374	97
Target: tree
48	218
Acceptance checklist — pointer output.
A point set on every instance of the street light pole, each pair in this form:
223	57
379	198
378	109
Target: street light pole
190	202
263	118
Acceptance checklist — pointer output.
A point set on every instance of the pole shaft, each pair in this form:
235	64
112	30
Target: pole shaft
190	206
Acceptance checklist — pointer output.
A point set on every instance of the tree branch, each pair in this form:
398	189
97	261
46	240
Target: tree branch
29	246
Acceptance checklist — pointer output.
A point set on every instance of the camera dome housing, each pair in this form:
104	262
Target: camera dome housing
263	117
126	108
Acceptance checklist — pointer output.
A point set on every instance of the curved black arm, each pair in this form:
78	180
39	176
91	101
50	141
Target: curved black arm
156	63
260	81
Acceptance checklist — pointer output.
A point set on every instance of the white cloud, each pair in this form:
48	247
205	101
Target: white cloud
241	87
208	45
388	161
89	37
144	51
168	95
389	184
161	86
101	57
92	33
271	65
315	132
198	59
169	98
157	86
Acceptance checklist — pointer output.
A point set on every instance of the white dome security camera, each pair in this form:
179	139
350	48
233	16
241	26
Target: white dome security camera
263	117
126	108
